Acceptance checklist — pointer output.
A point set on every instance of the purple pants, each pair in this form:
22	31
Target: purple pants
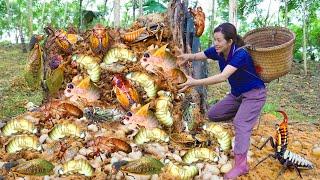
245	109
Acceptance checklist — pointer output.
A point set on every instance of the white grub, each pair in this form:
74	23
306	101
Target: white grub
155	177
135	155
226	167
316	151
93	127
213	169
43	138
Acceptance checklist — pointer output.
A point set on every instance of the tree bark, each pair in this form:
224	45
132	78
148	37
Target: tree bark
23	44
304	38
285	13
233	12
140	8
116	6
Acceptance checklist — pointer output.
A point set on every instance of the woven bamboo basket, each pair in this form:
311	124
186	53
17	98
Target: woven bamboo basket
271	49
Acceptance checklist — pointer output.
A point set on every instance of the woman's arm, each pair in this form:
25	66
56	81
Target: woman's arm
224	75
184	58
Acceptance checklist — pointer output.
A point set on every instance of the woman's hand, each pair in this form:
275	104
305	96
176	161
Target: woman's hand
183	59
189	83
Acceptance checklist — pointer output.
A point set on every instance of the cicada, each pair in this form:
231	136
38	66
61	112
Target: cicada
146	135
164	108
99	39
66	129
99	114
66	41
23	142
126	94
196	154
145	81
18	125
34	73
34	167
77	166
220	134
143	166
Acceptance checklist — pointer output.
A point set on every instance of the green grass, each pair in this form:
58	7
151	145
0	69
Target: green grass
14	94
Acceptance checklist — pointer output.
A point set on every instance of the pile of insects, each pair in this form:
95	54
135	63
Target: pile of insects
113	111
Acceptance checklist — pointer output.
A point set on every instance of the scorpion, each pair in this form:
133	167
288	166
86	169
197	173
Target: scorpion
287	158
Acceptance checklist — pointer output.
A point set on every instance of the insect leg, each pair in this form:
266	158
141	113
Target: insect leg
264	144
270	155
284	167
297	170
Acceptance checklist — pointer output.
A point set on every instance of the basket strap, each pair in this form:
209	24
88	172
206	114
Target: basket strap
245	48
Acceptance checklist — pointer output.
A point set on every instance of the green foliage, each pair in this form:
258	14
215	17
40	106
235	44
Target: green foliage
152	6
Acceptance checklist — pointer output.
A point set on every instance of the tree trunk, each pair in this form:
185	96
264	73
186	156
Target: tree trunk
233	12
211	40
140	7
134	10
304	38
30	18
116	6
23	44
285	13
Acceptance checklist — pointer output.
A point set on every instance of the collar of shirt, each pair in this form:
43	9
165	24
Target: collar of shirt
231	52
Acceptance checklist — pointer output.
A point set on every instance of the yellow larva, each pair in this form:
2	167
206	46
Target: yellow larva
220	134
90	64
23	142
196	154
80	166
181	172
118	54
67	129
163	108
146	135
145	81
18	125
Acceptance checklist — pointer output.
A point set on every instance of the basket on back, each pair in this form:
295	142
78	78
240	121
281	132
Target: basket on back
271	49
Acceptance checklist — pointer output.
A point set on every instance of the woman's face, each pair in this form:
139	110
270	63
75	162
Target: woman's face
221	45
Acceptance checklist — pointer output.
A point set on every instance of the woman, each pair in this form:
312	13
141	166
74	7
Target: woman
248	93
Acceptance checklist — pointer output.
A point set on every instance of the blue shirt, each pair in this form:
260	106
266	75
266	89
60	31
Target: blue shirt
240	81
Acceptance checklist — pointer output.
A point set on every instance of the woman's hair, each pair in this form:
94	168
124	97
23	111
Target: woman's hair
229	32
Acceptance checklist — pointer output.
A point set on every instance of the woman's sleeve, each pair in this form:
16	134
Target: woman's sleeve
211	53
239	59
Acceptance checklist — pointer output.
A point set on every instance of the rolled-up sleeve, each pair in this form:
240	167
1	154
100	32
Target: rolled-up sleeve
211	53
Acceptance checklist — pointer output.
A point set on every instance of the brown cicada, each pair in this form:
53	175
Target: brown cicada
99	39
